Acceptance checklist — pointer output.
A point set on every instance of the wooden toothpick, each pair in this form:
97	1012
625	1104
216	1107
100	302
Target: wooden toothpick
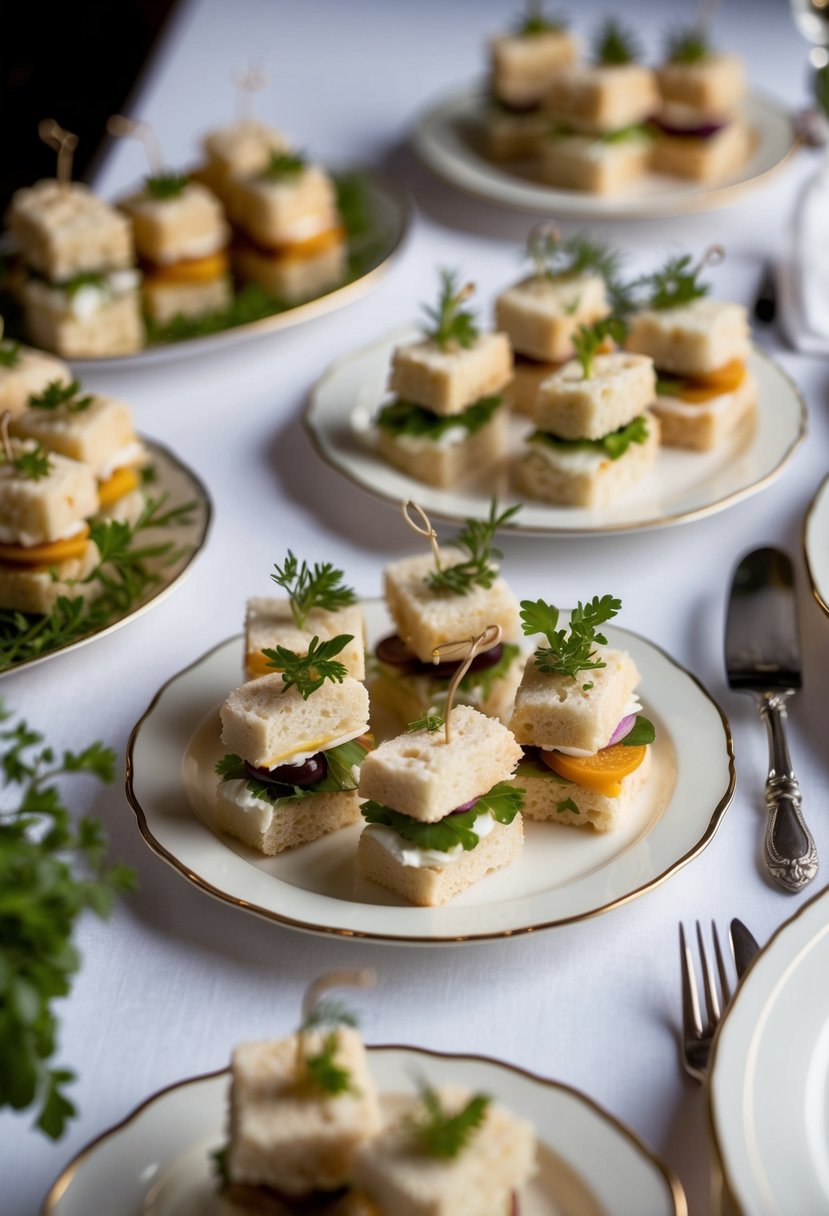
541	235
427	530
470	647
247	83
64	143
131	128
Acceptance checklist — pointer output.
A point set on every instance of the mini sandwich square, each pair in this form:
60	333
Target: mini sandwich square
594	164
697	337
50	508
64	230
269	623
282	211
541	314
621	388
523	65
27	373
599	97
244	147
96	435
714	84
188	225
448	381
425	618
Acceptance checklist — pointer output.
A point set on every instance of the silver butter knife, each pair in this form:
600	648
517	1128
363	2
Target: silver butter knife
744	946
762	656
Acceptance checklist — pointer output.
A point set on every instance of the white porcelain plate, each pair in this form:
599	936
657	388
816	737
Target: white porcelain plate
176	484
682	486
448	137
157	1162
769	1083
563	874
816	545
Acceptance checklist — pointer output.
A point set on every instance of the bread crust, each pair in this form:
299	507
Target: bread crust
292	824
449	381
29	376
64	230
541	315
621	388
269	623
523	67
695	338
116	328
599	97
712	159
292	277
513	136
445	464
190	225
92	436
702	426
581	162
545	799
715	83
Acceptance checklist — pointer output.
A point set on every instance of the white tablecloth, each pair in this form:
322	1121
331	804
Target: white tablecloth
174	980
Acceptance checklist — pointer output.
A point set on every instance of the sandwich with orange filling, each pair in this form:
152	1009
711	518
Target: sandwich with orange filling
704	389
577	717
95	430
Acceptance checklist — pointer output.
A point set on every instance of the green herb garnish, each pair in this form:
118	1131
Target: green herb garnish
554	257
569	651
567	804
221	1168
86	278
503	802
324	1073
641	733
453	325
307	588
52	868
33	464
285	166
635	132
613	445
308	672
687	46
10	353
478	569
822	89
616	45
166	184
429	721
329	1012
588	339
440	1134
678	282
57	394
533	22
405	418
340	763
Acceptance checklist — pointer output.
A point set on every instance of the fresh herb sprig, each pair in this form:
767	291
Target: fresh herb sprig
33	464
320	1069
166	185
57	395
688	45
85	278
52	868
678	282
439	1134
534	22
429	721
554	256
285	166
569	651
478	568
451	323
320	586
616	45
10	353
308	672
588	340
822	89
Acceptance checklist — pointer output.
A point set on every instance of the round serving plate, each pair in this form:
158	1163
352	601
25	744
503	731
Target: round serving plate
816	545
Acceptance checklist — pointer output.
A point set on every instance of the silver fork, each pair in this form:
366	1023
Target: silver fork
696	1035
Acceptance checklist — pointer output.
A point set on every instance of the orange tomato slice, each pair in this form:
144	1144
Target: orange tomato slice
190	270
314	244
48	554
602	772
123	481
725	379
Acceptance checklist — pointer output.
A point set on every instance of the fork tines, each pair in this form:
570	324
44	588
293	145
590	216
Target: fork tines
697	1035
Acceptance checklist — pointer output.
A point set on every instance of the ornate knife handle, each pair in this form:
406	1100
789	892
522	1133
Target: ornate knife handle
790	853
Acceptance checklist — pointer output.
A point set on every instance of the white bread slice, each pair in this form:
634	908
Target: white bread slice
457	454
164	300
554	711
271	830
409	697
540	315
270	623
692	339
296	276
703	425
190	225
64	229
524	65
429	886
425	618
715	84
448	381
51	508
267	726
545	799
510	136
30	374
712	159
584	479
421	775
290	1137
522	390
115	328
36	590
621	387
244	147
601	97
277	212
595	166
94	435
499	1158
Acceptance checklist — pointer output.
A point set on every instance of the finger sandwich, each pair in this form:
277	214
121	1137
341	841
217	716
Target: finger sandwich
269	623
81	298
238	150
23	372
295	755
440	814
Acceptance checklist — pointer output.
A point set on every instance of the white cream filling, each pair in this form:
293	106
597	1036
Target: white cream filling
408	854
14	536
579	460
258	809
452	437
91	298
693	409
131	453
634	706
200	246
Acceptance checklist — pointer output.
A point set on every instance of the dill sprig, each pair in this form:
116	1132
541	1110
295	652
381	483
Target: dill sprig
166	184
688	45
57	395
569	651
616	45
452	324
440	1134
308	672
554	256
308	588
478	568
324	1073
678	281
429	721
589	339
284	166
533	22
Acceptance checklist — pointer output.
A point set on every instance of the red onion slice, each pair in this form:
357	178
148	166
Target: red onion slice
467	806
701	131
624	728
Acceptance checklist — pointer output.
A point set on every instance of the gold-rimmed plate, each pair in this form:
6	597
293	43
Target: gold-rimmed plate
682	486
562	875
816	544
449	138
176	484
158	1160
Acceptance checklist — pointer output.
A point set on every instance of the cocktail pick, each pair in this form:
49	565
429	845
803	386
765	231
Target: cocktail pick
469	647
64	143
132	128
427	530
253	80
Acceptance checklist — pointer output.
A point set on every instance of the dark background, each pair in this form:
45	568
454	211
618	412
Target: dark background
75	62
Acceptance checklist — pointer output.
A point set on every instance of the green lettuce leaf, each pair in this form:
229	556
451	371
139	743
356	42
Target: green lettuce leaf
503	802
613	445
642	733
340	760
405	418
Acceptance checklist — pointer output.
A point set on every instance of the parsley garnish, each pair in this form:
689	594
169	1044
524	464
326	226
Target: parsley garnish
320	587
405	418
503	802
429	721
569	651
677	283
616	45
52	868
57	394
323	1072
452	323
86	278
567	805
10	354
533	22
687	46
284	166
443	1135
478	569
166	185
308	672
588	339
221	1167
33	464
